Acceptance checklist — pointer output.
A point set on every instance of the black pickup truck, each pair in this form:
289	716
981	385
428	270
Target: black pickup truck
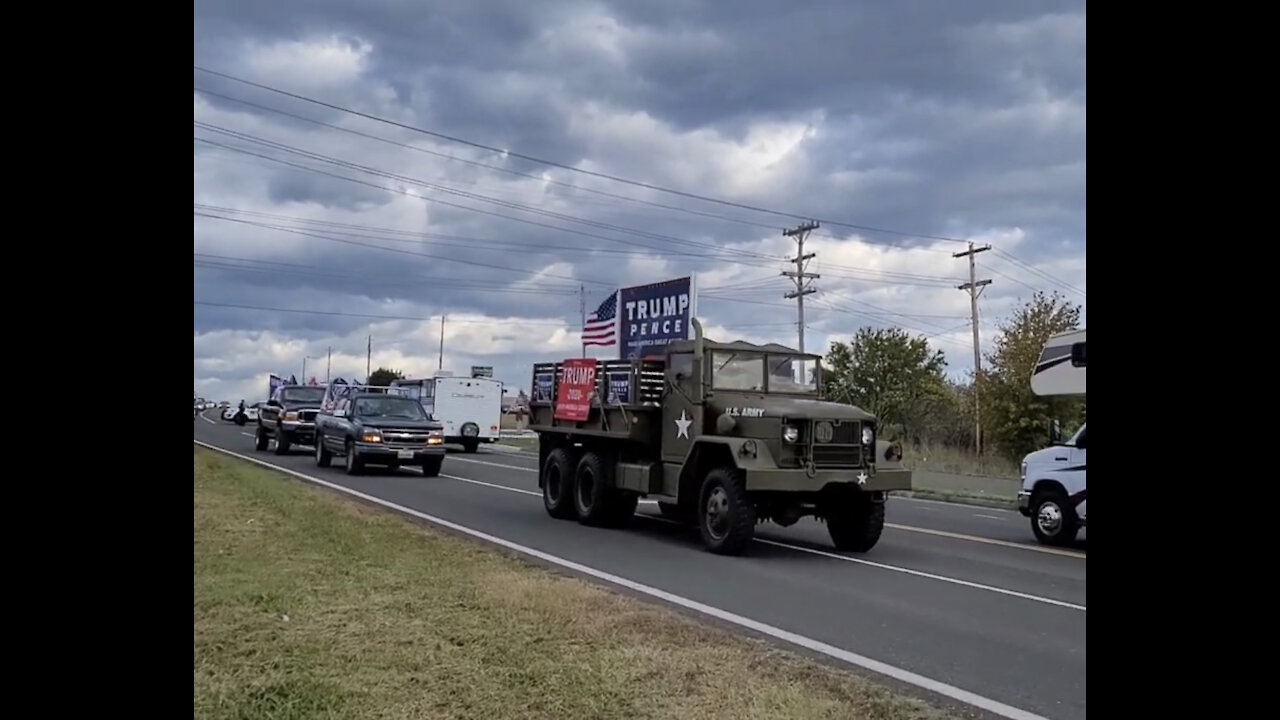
289	417
369	428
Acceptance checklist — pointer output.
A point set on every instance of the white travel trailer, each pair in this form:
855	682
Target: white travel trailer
469	407
1053	479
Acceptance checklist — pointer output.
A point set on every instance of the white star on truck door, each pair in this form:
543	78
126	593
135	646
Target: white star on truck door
682	425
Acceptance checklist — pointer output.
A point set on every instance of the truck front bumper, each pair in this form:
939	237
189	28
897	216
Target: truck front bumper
378	453
799	480
303	432
1024	503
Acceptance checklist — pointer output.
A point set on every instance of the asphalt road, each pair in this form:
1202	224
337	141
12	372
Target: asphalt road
958	594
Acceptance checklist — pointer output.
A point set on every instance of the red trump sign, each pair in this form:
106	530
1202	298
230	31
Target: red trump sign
577	384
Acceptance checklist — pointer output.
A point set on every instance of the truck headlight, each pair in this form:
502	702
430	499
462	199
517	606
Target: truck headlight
435	437
371	436
868	436
790	433
290	416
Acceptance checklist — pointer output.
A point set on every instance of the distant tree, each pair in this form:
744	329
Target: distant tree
887	372
384	376
1014	418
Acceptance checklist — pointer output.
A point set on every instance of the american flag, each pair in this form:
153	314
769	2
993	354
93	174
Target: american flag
599	327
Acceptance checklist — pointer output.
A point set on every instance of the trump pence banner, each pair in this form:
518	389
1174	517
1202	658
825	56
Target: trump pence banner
650	316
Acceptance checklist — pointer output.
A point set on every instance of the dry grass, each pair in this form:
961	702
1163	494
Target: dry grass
309	605
943	459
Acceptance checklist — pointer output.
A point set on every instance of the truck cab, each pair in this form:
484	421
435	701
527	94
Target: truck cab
289	417
1052	494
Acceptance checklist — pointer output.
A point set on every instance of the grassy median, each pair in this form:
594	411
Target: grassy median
311	605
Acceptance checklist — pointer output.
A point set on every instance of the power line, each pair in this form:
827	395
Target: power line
562	166
331	313
606	176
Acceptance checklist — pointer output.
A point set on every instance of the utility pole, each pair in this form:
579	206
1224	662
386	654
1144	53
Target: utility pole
328	366
974	288
440	364
801	279
304	369
368	356
582	310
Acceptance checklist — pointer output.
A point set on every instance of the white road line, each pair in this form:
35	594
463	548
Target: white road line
989	517
202	417
984	703
906	528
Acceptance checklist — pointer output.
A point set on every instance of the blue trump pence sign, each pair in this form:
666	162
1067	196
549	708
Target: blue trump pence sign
653	315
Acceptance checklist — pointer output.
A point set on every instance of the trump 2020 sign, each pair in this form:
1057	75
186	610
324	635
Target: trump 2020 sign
653	315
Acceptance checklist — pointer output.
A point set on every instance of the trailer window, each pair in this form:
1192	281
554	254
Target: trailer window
737	371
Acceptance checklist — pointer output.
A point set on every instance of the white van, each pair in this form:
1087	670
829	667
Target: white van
1053	479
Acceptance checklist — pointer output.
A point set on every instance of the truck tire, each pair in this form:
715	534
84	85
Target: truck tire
323	456
855	522
260	439
470	445
354	464
282	442
431	466
597	502
557	484
726	518
1053	517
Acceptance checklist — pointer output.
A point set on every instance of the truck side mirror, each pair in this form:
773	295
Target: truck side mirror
1055	432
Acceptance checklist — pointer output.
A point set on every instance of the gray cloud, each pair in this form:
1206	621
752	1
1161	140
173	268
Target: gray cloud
941	118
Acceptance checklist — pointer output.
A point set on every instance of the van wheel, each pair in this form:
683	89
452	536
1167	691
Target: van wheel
1053	518
726	518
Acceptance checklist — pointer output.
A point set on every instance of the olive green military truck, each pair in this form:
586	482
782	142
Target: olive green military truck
721	435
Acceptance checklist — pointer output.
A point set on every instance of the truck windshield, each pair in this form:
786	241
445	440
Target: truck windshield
390	406
789	374
737	371
303	395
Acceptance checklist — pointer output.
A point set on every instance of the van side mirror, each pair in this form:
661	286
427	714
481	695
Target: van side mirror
1055	432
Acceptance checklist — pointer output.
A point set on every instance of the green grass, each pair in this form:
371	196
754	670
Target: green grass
311	605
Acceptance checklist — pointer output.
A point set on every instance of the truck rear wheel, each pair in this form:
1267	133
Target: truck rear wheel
726	518
557	484
855	522
595	498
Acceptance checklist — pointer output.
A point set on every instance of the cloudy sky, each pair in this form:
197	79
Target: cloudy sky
384	170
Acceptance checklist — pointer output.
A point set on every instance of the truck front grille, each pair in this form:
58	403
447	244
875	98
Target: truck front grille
837	456
404	438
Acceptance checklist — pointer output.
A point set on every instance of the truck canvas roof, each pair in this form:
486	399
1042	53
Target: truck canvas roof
1060	368
738	346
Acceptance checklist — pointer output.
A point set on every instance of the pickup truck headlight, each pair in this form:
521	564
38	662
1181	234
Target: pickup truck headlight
290	416
790	433
868	436
371	436
435	437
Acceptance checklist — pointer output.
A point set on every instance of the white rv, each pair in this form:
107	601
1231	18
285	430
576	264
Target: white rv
1053	479
469	408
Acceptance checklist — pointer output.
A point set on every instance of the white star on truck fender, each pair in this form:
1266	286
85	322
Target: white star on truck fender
862	478
682	425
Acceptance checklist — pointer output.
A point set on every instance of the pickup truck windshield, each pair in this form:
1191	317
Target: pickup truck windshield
390	406
303	395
